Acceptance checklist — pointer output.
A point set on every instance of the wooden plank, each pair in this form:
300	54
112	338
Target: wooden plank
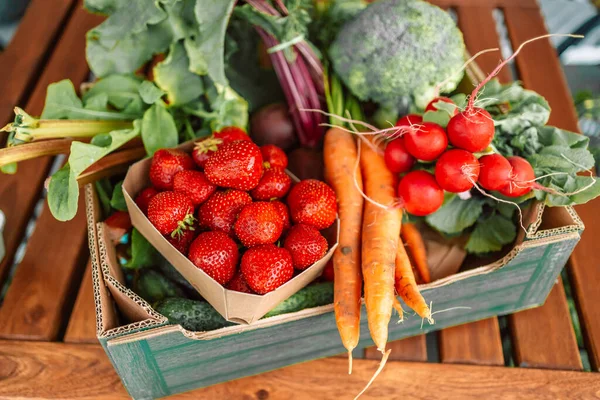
540	70
485	3
82	323
22	60
20	192
45	283
413	348
478	342
475	343
58	370
585	280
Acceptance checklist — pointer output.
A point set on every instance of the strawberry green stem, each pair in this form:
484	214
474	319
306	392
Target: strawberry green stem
185	224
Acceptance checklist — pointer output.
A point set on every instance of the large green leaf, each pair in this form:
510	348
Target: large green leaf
174	77
121	92
142	253
456	214
158	129
63	191
491	234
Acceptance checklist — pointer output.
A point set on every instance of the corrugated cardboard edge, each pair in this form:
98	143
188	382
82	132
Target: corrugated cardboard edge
234	306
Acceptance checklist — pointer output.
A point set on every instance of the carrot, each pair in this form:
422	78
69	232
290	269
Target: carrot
340	160
407	287
381	231
414	241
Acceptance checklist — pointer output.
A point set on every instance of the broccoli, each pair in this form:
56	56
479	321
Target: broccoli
399	49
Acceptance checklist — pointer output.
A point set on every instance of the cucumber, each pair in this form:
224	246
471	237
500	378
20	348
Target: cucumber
193	315
170	272
318	294
152	286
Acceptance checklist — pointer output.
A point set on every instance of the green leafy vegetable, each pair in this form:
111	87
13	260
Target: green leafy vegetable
117	200
491	234
142	253
158	129
149	93
456	214
104	189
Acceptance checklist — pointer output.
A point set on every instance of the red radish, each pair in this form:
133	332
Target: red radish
471	130
409	120
397	159
494	172
420	193
456	170
522	178
431	106
427	142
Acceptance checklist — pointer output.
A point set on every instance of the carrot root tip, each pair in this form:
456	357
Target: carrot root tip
349	361
384	358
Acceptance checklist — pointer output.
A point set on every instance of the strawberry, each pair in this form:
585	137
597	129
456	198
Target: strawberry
274	156
195	185
312	202
239	284
165	164
171	213
306	245
183	241
274	184
216	254
118	224
219	212
205	148
258	223
143	198
328	273
266	267
283	213
236	165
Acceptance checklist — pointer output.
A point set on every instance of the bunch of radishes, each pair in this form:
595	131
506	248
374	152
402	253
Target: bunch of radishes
458	168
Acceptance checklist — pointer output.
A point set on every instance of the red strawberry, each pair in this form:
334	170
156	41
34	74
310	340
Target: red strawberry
274	156
283	213
171	212
266	267
312	202
219	212
239	284
306	245
328	274
274	184
205	148
165	164
195	185
236	165
258	223
183	241
216	254
143	198
118	224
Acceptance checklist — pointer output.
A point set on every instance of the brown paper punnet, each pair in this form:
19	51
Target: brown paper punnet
234	306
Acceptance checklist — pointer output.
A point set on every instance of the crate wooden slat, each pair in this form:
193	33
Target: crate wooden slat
84	372
585	281
82	323
410	349
534	332
22	60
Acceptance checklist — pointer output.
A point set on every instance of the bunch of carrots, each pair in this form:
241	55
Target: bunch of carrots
371	252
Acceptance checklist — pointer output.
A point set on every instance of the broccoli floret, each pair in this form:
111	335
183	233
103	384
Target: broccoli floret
396	49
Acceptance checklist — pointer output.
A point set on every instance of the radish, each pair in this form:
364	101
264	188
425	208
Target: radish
494	172
457	170
431	106
521	179
397	159
471	130
420	193
426	142
409	120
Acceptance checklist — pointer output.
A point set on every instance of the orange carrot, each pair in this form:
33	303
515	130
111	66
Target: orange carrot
407	287
381	230
340	160
414	241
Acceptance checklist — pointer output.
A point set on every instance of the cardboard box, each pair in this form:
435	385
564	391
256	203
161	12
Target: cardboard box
232	305
155	359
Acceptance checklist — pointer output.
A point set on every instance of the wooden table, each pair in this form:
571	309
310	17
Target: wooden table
47	339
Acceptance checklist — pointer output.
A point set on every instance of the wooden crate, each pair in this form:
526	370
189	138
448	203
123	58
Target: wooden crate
155	359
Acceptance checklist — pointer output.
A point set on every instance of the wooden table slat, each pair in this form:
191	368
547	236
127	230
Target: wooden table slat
82	323
84	372
543	337
410	349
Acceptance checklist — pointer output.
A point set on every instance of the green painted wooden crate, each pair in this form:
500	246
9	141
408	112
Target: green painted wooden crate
155	359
